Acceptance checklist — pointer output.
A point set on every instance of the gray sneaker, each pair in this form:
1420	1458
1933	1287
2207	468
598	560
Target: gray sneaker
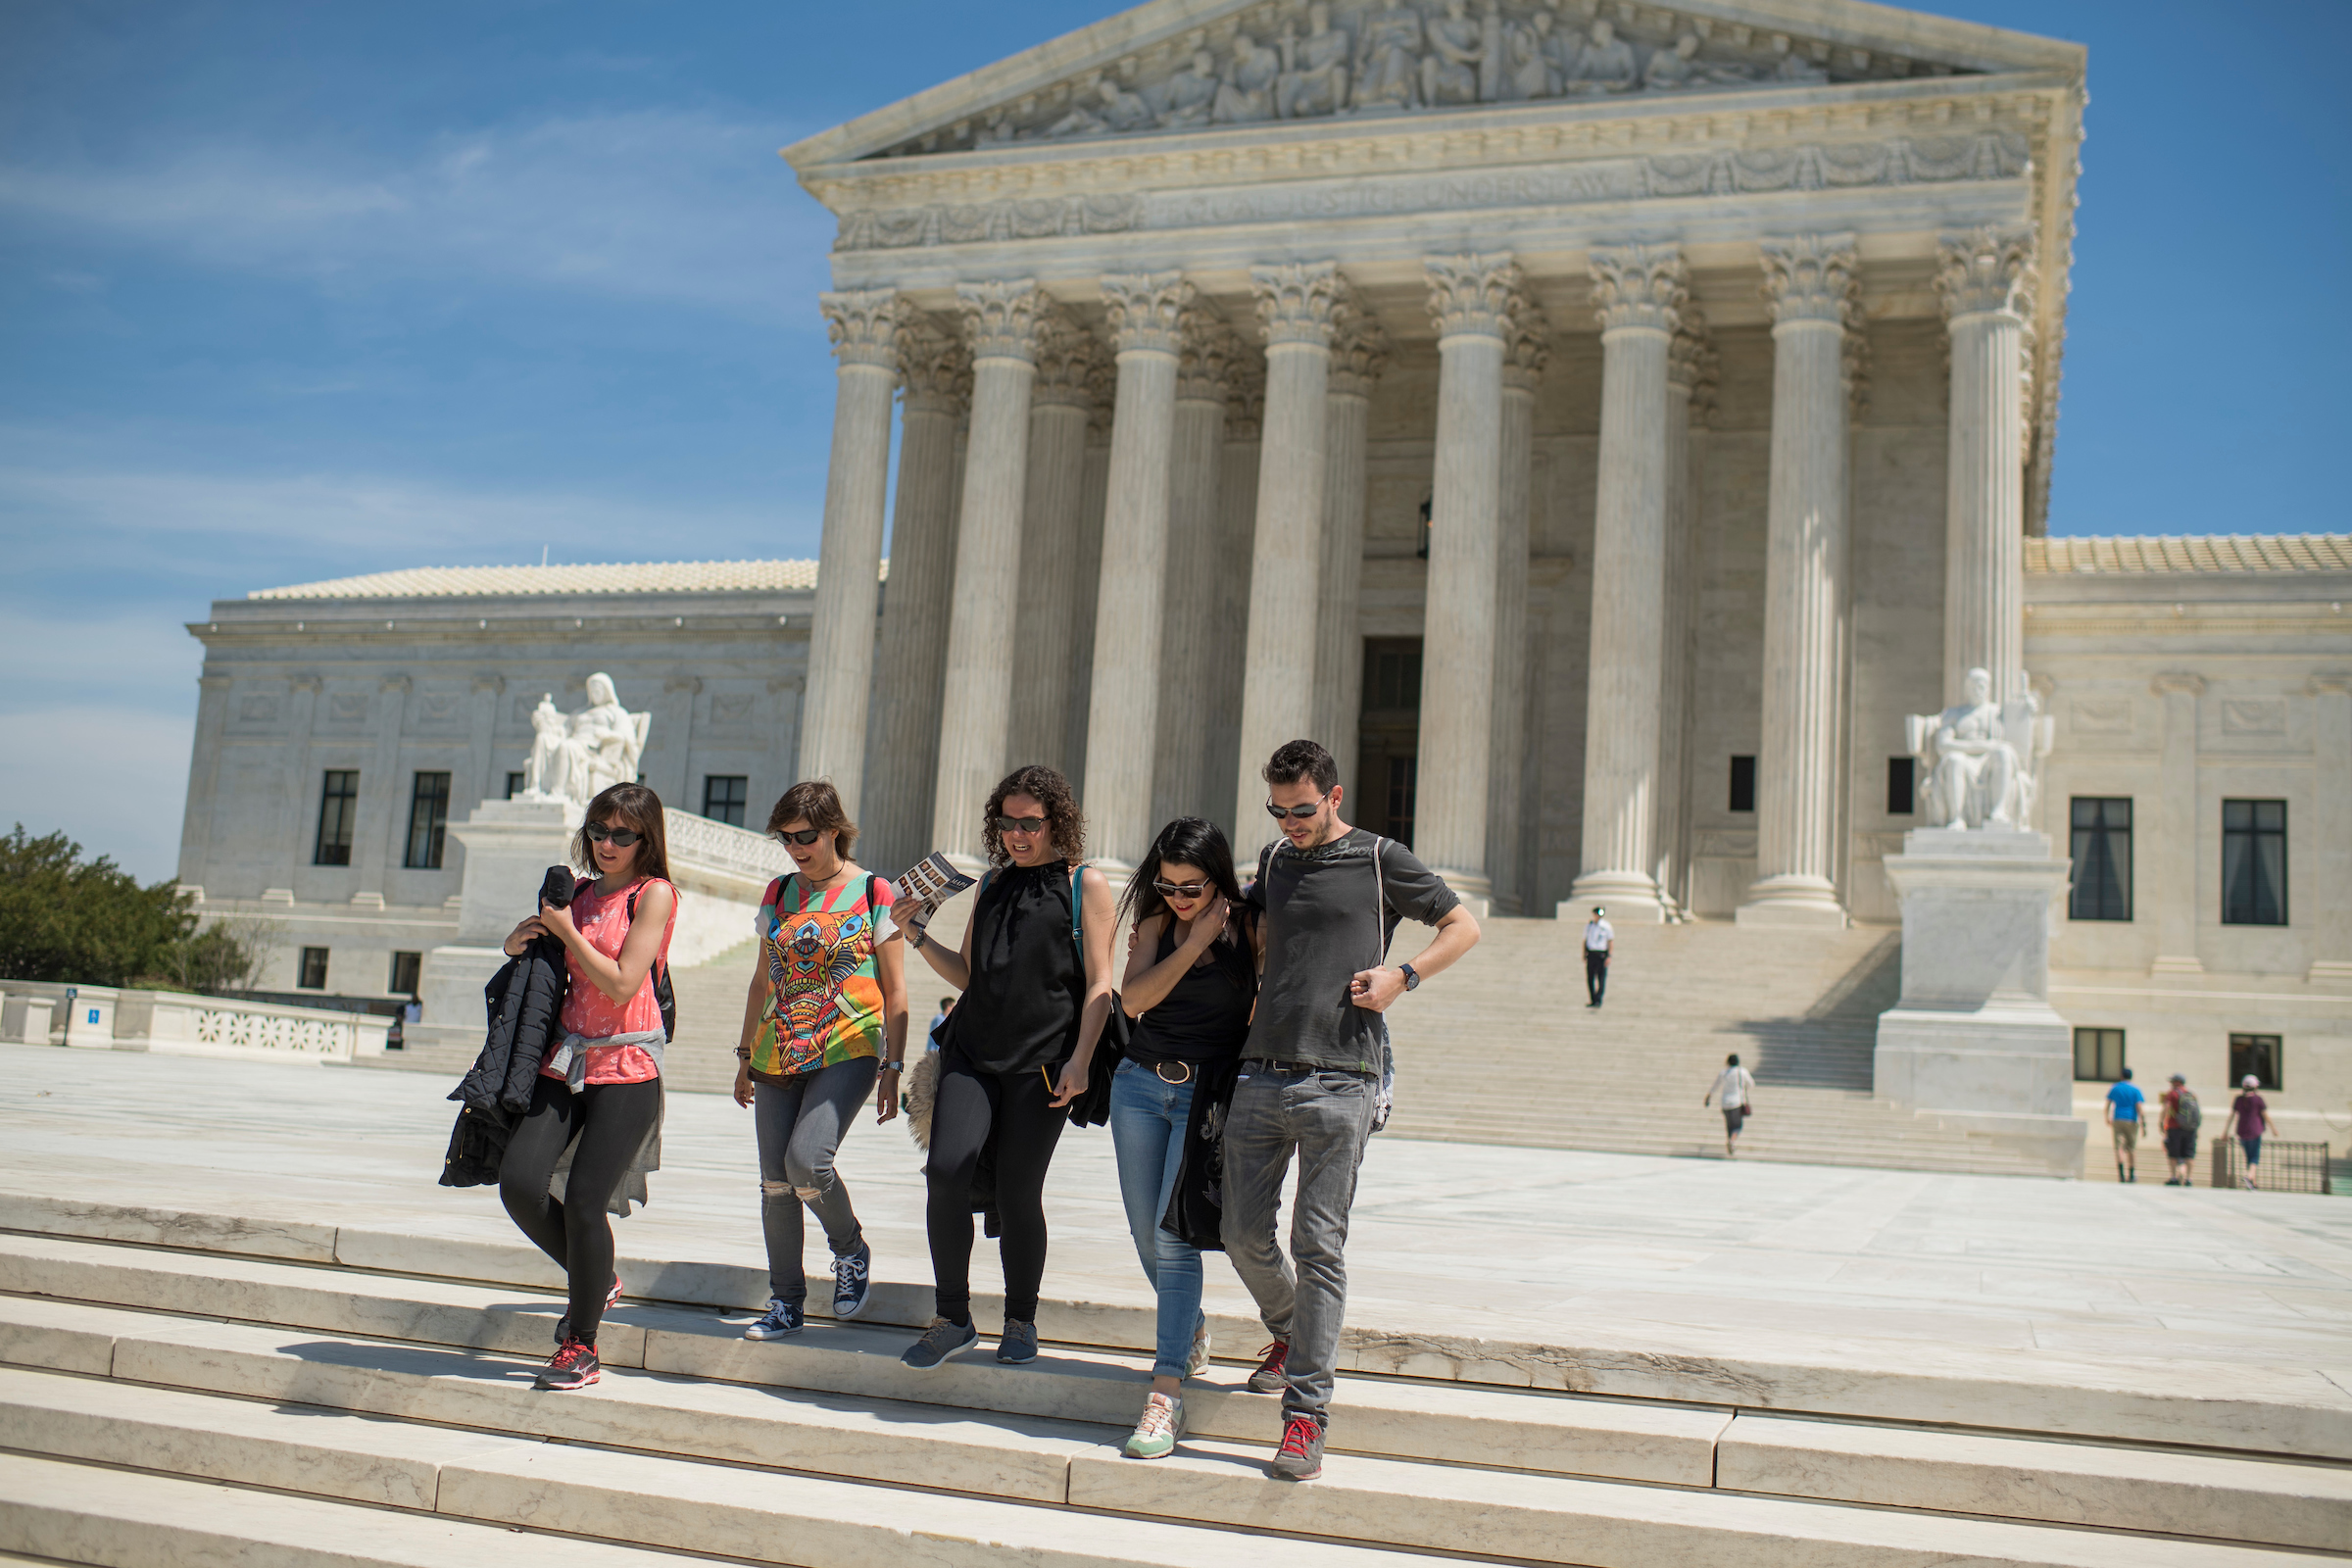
939	1340
1017	1345
1199	1359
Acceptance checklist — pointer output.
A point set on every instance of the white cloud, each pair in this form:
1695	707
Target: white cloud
680	205
115	779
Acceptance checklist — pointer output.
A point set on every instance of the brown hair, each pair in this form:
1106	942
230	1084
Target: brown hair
627	806
1063	820
816	802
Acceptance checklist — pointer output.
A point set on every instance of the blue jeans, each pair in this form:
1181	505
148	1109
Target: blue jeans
1148	1122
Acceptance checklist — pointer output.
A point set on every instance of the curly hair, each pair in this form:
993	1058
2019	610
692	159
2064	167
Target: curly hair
1063	820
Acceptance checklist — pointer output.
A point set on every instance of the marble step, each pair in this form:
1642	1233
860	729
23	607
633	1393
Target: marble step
54	1511
1014	1433
2301	1414
1138	1513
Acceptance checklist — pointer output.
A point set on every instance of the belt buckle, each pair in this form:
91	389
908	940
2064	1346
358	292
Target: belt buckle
1160	1070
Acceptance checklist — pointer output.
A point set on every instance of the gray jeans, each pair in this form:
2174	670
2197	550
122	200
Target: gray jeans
1326	1116
800	1124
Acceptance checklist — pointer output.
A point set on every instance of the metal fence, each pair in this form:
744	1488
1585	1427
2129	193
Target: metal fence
2286	1168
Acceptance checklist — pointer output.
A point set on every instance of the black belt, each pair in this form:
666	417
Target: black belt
1262	1064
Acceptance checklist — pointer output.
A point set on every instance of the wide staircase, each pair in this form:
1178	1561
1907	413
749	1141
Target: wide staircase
192	1389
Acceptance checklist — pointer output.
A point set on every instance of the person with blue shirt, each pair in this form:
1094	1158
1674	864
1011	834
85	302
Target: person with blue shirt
2123	1102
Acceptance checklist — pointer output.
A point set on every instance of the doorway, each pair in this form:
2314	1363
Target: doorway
1389	736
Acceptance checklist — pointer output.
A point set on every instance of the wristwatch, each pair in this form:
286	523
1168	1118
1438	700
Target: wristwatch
1412	980
891	1067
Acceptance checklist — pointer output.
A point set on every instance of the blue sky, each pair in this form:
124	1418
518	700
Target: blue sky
292	291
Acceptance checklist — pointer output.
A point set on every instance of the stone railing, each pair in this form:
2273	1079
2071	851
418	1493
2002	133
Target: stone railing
700	841
177	1023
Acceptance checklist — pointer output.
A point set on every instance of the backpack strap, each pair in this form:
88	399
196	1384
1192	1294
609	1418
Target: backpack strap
1379	888
1077	901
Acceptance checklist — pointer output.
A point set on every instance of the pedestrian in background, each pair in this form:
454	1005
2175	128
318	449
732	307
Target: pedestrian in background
939	1019
1737	1089
1600	940
2124	1103
2182	1115
2253	1118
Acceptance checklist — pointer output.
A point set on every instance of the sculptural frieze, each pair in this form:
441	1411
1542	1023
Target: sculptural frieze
1982	760
1383	57
575	757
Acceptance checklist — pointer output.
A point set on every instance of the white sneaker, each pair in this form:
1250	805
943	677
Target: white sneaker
1199	1359
1155	1435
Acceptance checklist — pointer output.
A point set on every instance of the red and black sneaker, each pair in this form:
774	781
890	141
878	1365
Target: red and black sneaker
1300	1456
563	1323
571	1368
1268	1378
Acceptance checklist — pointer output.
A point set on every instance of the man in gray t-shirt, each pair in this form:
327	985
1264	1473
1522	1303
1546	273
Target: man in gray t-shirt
1331	896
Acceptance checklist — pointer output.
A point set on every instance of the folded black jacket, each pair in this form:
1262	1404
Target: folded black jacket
526	1001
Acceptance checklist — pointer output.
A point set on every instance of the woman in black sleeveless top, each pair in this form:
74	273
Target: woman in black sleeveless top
1191	980
1037	987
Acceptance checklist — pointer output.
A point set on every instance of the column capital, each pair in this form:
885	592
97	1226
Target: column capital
1147	311
935	368
1986	271
1245	398
394	683
862	326
1212	350
1693	365
1813	278
1295	301
1638	287
1471	295
1526	345
1359	349
999	319
1066	356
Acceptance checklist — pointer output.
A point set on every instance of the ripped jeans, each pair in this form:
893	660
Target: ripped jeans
799	1122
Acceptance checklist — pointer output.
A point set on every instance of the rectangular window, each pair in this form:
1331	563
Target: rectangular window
1393	679
1743	784
2253	863
428	821
725	796
2098	1055
1902	794
408	968
2102	851
314	970
338	816
514	784
1403	776
2257	1055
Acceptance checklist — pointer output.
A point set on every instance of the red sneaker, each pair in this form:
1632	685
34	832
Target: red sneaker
571	1368
1300	1456
563	1323
1268	1378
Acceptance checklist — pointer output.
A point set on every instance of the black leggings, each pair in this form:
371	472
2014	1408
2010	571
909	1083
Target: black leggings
611	1121
970	1102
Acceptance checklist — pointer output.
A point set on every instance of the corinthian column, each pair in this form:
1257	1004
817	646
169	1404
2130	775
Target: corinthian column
1987	287
1294	304
1470	297
999	321
1122	722
1045	645
1236	529
1188	713
1690	384
1524	353
864	329
1359	352
935	371
1811	284
1638	291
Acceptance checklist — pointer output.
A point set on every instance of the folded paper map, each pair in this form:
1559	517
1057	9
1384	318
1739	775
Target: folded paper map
931	882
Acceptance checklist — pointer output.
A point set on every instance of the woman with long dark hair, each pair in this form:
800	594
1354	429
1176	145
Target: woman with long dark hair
597	1102
1192	978
1035	973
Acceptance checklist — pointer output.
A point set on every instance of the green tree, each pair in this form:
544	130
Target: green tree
63	918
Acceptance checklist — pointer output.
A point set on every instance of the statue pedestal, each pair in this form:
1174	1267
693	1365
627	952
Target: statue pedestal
1974	1041
508	847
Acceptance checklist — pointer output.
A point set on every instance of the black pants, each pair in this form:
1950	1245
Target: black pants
1596	975
971	1104
611	1121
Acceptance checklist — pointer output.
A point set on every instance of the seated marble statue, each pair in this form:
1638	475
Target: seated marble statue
546	775
1119	111
1387	72
1185	98
1314	69
1457	47
574	758
1977	756
1606	65
1247	93
1527	58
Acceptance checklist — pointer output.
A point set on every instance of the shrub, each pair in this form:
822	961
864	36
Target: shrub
63	918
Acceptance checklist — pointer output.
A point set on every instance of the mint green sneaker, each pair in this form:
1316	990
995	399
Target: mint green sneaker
1155	1435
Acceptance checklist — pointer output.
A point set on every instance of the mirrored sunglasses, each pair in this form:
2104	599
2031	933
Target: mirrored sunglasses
1302	813
805	837
620	838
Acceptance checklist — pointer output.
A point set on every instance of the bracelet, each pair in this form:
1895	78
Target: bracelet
743	1053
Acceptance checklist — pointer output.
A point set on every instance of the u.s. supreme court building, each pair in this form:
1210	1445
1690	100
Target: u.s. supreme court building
1616	430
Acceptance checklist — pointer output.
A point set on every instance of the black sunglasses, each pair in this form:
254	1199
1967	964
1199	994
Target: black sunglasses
1020	824
807	836
621	837
1178	890
1302	813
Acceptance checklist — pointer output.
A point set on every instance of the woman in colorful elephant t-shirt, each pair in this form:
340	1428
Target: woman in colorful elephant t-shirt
824	1018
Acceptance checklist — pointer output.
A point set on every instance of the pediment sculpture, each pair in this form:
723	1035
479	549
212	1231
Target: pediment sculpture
1398	56
1982	760
575	757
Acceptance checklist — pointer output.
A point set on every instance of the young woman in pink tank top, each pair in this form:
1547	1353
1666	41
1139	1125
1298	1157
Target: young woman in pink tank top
599	1095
